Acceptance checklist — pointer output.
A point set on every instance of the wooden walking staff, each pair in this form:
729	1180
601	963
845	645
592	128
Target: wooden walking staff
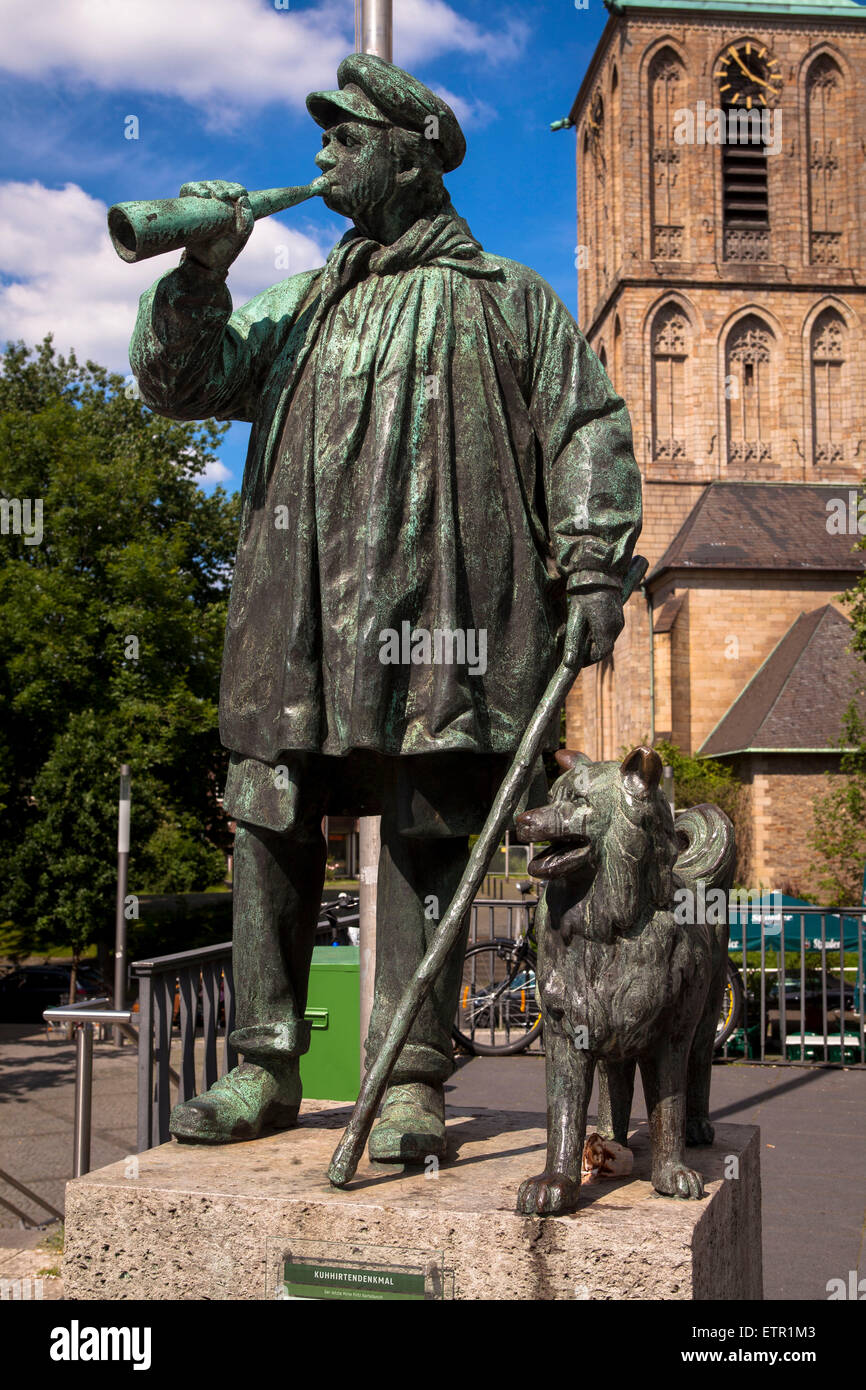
348	1152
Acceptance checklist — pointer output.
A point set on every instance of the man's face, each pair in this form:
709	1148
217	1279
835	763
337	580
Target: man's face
359	162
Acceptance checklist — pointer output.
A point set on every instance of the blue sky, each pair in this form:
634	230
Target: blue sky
218	89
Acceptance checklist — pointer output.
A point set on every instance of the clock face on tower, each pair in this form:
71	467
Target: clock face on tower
748	76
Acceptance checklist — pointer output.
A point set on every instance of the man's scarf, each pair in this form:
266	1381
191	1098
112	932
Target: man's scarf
444	241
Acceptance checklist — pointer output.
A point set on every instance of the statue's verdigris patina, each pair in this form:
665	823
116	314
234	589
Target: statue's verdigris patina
440	497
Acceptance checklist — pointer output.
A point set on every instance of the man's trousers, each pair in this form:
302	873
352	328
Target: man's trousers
429	805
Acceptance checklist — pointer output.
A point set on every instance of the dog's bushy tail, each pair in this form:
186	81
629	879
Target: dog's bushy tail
707	850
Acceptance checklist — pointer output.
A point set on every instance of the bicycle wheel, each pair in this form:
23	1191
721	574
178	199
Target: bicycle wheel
732	1006
497	1012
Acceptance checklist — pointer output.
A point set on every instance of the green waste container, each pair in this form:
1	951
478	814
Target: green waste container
331	1069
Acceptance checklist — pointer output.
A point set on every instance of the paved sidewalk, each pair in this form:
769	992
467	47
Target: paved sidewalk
813	1128
37	1091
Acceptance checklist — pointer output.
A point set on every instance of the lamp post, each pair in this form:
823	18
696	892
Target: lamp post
123	814
376	37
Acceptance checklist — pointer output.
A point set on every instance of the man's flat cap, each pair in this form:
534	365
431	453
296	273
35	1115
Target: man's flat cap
376	91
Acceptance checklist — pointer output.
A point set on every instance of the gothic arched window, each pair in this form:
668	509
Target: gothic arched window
670	350
666	96
826	168
828	398
748	362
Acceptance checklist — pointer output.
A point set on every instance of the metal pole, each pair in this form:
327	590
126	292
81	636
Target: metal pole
370	845
652	666
377	27
668	775
83	1088
123	814
377	38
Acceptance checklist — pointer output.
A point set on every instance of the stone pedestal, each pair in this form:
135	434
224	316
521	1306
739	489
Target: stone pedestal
236	1222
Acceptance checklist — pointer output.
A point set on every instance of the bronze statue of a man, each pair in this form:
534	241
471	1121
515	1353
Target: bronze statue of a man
439	474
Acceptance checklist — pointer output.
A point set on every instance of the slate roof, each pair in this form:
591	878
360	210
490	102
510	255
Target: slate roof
796	699
781	526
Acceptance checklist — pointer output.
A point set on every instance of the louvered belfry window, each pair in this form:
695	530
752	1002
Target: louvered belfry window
744	180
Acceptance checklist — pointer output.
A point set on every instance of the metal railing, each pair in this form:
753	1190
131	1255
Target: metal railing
492	917
773	990
84	1018
181	988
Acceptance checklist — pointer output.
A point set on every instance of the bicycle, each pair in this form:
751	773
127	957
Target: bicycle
338	920
732	1006
497	993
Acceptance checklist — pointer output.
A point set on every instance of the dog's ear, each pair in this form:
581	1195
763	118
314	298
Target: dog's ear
641	770
568	758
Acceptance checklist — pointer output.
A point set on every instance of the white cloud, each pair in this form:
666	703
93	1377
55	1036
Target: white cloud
65	278
225	55
468	113
216	472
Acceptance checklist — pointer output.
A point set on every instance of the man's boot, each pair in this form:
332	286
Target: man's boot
265	1093
411	1127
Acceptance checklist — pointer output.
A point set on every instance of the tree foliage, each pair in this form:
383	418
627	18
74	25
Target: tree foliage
698	780
111	631
839	833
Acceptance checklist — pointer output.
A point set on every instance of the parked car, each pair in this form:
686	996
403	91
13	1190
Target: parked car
26	990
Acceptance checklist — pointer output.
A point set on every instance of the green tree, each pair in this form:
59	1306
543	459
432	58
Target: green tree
839	833
111	631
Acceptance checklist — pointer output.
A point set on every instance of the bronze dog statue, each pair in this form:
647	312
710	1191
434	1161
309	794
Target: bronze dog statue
623	978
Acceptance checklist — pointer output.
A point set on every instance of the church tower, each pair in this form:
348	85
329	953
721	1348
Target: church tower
721	277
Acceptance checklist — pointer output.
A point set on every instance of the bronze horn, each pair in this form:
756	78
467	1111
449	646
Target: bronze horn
149	228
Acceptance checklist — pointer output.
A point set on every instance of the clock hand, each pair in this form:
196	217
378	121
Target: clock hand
751	76
739	62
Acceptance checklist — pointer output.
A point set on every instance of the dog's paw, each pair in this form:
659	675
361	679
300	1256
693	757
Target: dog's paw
699	1133
676	1180
550	1194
